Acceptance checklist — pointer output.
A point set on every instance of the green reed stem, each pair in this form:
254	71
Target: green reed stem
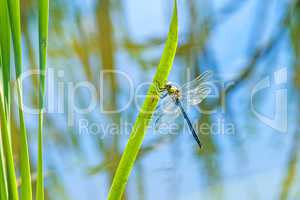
139	129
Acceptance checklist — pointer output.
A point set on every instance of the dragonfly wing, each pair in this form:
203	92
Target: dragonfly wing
194	92
196	96
202	78
166	113
165	120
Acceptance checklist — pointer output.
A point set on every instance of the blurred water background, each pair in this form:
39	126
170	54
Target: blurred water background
241	41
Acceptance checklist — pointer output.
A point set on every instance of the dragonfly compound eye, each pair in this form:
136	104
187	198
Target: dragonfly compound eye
168	86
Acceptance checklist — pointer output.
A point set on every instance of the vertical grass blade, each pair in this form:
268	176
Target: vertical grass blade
3	183
3	177
138	132
5	49
15	24
5	86
43	38
8	153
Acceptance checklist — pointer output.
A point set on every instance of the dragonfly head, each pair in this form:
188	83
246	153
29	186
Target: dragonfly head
168	85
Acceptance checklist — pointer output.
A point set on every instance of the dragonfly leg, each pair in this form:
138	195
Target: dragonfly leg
163	95
156	125
158	87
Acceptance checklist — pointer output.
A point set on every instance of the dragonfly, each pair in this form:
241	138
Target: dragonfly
174	100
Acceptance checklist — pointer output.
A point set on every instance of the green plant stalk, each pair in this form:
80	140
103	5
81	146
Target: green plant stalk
138	132
15	24
3	184
43	38
8	153
5	85
3	177
5	49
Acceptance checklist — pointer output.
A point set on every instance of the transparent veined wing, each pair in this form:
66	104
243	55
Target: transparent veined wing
195	96
166	112
201	79
194	92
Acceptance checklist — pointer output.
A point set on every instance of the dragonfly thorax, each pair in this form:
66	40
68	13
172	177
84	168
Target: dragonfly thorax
173	91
